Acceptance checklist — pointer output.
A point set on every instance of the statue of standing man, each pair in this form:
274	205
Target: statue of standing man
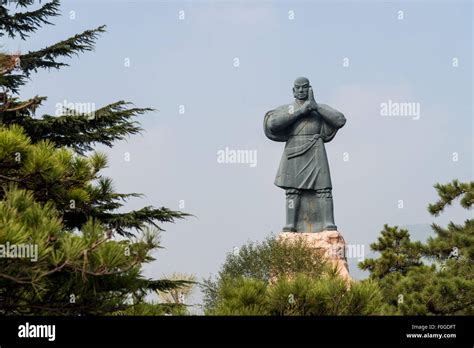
304	169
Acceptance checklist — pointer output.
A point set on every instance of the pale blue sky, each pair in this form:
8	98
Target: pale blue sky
190	62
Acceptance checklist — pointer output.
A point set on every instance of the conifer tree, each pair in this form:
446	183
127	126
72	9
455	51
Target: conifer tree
432	278
53	195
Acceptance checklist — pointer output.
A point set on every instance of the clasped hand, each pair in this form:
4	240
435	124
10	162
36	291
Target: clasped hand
310	104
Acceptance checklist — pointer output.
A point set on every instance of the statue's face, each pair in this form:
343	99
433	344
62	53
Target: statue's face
300	90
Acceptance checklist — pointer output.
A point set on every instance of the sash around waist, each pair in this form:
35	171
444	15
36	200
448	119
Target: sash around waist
301	149
302	135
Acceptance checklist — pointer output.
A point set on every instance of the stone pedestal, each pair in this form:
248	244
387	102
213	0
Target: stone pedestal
330	243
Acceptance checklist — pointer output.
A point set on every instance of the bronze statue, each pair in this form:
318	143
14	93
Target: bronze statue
304	170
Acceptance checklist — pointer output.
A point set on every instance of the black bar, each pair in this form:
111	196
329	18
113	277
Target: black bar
194	330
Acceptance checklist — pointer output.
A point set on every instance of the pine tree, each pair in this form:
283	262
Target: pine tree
53	195
432	278
398	253
301	295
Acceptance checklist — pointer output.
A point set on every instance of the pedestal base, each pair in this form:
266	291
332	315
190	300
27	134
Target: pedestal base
330	243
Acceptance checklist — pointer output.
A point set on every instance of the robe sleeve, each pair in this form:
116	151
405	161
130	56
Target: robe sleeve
280	118
333	120
277	120
331	116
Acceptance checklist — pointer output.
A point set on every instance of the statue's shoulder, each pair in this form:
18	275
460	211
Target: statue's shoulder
281	108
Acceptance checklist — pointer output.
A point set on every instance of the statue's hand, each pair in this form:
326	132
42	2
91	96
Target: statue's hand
310	104
313	106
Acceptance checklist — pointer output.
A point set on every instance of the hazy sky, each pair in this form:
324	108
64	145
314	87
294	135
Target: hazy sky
357	55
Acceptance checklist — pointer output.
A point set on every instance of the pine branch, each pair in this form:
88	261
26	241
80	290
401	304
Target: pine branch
449	192
81	131
123	223
12	82
23	3
30	105
165	284
104	198
23	23
45	58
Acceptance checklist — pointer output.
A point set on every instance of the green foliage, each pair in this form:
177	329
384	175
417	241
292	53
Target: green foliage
449	192
277	277
398	253
51	174
86	273
298	296
73	182
154	309
45	58
434	278
241	296
22	23
326	295
272	257
427	291
79	130
264	261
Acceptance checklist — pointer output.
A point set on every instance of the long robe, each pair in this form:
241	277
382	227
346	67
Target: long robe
304	164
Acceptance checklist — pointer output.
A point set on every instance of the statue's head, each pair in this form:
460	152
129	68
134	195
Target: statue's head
301	88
